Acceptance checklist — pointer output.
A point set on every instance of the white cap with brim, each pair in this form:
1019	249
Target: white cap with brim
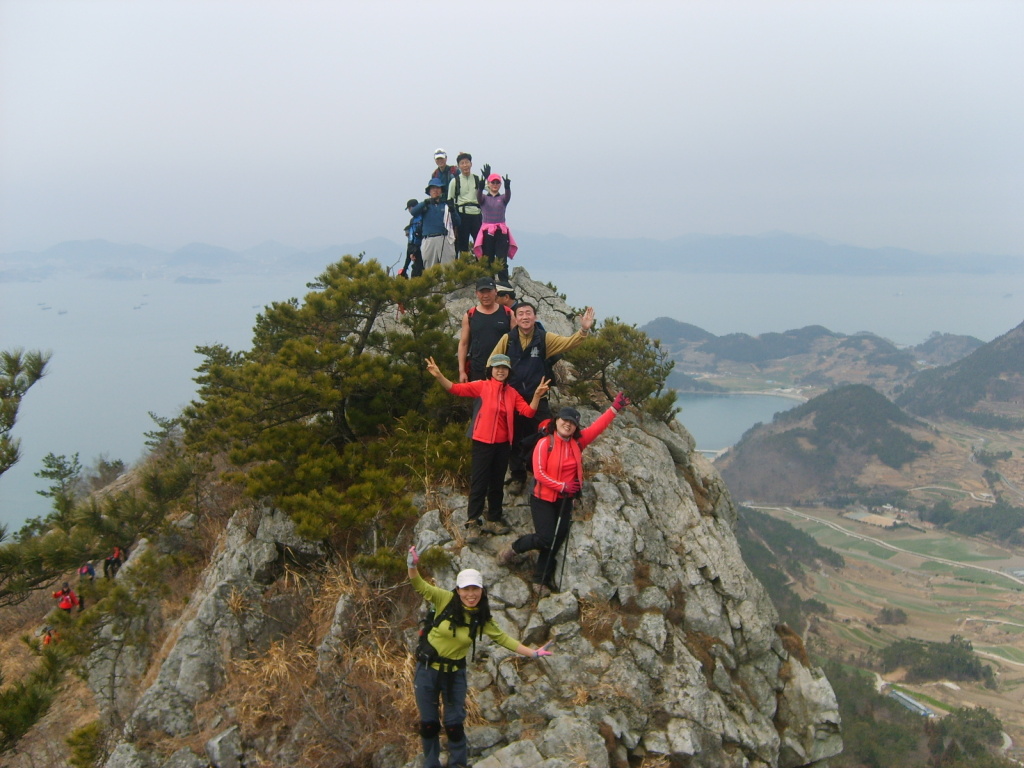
469	578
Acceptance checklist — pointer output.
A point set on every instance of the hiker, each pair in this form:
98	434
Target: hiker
492	437
413	266
50	637
87	571
443	172
439	221
66	598
531	347
459	618
558	480
112	564
462	191
494	240
507	297
482	327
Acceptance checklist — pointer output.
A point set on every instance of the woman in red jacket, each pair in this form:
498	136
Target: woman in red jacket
558	479
492	436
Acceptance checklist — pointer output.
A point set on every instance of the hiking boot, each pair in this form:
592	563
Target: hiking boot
508	556
516	484
496	527
472	526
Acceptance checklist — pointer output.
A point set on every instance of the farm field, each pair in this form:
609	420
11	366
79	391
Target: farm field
946	585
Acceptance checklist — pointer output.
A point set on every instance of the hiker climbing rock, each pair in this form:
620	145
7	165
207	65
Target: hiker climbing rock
112	564
66	598
462	191
439	222
494	240
86	572
531	348
558	474
482	327
492	436
413	266
460	617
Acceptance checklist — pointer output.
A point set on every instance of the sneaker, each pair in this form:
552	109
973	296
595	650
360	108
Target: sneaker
508	556
496	527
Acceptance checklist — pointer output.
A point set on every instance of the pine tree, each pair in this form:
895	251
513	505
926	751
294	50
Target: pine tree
19	370
319	414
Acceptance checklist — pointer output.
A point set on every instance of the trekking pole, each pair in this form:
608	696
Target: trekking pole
552	553
565	544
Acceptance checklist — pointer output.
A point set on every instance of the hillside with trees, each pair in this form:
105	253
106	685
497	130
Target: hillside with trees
985	389
824	448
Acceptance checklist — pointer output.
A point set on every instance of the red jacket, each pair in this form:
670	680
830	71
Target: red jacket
68	599
498	405
556	460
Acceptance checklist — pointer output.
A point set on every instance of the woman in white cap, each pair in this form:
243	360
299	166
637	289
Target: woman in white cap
460	617
492	436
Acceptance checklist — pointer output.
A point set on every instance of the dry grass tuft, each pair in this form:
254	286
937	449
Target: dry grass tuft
272	684
793	644
652	760
597	620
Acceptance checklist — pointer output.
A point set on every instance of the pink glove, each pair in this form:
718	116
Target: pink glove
620	402
542	651
412	559
572	487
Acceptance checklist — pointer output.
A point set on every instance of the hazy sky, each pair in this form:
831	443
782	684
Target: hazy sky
167	122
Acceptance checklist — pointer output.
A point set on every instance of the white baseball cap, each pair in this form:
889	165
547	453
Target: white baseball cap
469	578
440	153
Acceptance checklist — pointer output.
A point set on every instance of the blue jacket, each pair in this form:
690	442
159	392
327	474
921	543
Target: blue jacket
433	217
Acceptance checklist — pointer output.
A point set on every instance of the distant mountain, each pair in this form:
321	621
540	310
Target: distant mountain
774	253
672	331
985	388
812	356
945	348
845	441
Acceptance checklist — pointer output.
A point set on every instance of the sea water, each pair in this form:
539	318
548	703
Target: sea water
123	349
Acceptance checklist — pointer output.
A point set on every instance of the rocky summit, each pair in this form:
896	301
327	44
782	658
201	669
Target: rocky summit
664	643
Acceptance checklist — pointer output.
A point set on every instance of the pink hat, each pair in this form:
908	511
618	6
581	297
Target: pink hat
493	177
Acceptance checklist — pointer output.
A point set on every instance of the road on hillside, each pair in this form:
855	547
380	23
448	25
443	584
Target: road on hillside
886	545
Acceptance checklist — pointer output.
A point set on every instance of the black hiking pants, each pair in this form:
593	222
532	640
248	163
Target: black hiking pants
548	517
487	478
495	246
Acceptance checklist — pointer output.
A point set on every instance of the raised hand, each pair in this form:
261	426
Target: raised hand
412	559
432	368
620	401
543	387
587	321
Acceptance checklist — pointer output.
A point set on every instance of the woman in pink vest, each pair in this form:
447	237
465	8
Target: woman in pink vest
558	479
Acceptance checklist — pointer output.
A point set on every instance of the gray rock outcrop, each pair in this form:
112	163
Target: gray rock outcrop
663	640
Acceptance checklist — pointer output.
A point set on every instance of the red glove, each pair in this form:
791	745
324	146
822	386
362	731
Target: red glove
572	487
620	401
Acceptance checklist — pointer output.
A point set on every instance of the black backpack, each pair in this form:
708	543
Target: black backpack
455	613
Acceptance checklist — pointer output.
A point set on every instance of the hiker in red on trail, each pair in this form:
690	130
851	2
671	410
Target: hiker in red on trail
493	425
558	473
112	564
66	598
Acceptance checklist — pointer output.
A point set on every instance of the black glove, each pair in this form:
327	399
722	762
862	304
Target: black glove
487	170
479	183
508	184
